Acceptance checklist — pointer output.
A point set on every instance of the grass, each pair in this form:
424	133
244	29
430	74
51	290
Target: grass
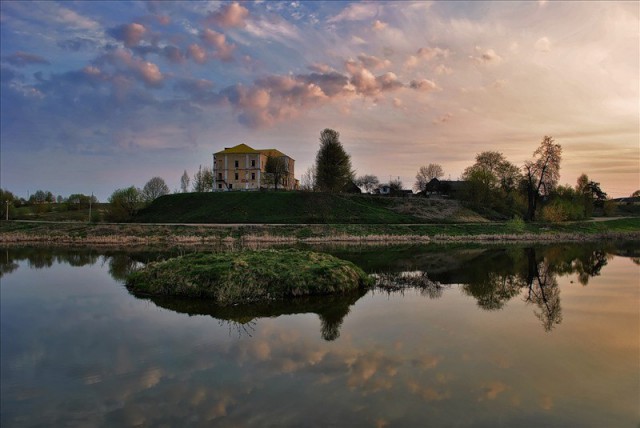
181	235
248	276
300	207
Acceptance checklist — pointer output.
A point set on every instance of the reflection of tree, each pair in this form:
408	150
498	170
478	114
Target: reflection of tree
121	265
399	281
495	291
7	264
591	266
543	291
331	309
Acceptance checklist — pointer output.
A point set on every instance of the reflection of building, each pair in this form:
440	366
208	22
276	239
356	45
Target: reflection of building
244	168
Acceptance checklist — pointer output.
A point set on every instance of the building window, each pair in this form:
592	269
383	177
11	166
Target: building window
253	162
230	186
237	163
219	176
236	175
219	186
253	175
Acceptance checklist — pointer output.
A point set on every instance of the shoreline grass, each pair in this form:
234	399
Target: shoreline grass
124	235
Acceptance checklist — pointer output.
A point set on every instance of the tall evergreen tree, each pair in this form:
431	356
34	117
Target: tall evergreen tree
333	164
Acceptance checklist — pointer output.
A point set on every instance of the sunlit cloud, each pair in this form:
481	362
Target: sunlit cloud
229	16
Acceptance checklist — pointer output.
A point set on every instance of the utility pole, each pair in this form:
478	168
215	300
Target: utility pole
7	207
90	201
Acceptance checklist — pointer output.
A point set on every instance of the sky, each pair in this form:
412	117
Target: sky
97	96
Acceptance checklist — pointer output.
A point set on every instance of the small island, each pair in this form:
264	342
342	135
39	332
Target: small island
231	278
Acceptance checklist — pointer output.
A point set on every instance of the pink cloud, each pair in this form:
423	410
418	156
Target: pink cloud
370	61
229	16
429	53
197	53
223	50
146	71
129	34
22	59
423	85
379	25
488	56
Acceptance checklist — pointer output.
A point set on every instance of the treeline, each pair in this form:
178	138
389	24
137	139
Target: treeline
43	201
500	189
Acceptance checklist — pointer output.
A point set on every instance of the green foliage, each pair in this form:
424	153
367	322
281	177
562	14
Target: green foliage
609	208
6	196
249	276
565	204
492	185
78	201
124	204
203	180
333	164
516	224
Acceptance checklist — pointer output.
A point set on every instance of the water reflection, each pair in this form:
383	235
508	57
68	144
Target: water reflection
77	349
331	310
492	276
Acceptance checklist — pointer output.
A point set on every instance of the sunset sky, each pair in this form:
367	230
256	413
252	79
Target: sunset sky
102	95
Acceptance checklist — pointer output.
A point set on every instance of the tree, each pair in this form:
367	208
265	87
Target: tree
541	175
203	180
491	182
635	194
426	174
184	182
154	188
124	203
276	170
395	186
308	179
333	164
78	201
368	182
6	196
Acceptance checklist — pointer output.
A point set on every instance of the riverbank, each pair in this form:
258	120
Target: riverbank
123	235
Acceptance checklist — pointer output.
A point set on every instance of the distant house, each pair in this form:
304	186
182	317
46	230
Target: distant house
244	168
447	188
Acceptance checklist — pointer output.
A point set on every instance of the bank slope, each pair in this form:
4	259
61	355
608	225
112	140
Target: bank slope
300	207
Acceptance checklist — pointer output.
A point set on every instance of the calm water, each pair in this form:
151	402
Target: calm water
544	336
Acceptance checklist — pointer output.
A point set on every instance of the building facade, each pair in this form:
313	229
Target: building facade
244	168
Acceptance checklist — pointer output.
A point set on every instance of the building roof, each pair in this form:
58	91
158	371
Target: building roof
243	149
239	149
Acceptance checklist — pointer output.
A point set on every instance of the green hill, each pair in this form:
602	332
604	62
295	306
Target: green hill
301	207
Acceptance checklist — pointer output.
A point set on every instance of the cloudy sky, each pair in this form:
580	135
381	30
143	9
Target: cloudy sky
101	95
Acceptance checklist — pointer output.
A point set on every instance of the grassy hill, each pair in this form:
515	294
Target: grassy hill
301	207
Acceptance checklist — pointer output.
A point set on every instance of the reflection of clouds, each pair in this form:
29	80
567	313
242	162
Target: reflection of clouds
491	390
428	393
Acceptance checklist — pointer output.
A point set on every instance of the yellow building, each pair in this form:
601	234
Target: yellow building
244	168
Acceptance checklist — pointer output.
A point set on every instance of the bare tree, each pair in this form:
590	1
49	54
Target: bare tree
368	182
308	179
154	188
541	175
184	182
276	170
426	174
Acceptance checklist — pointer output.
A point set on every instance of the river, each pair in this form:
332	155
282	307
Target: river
459	336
